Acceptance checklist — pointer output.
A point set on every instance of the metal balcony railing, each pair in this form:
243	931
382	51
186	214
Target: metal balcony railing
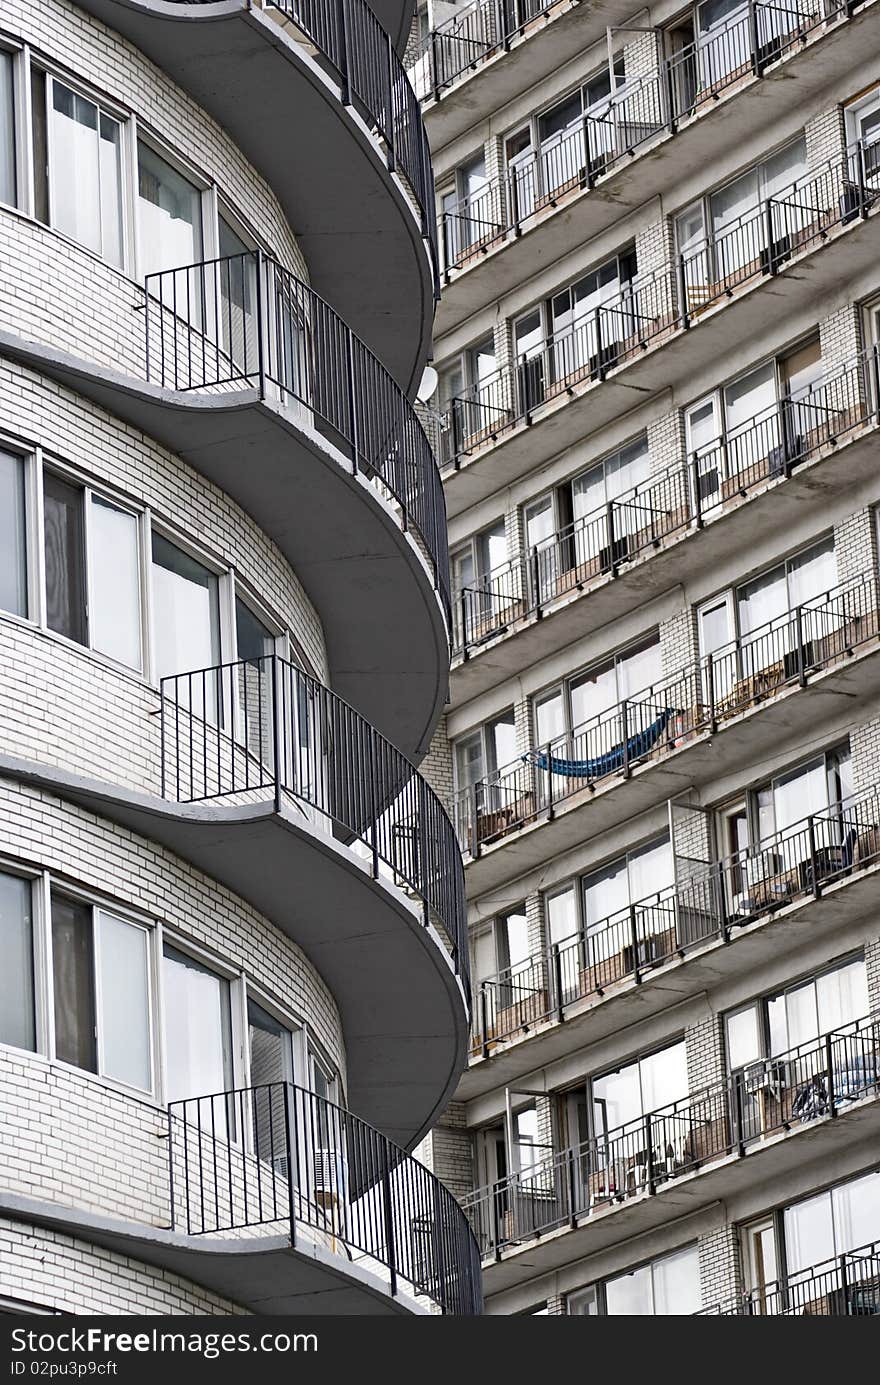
261	727
244	321
650	724
733	1116
278	1156
846	1286
705	903
653	306
615	128
347	40
684	496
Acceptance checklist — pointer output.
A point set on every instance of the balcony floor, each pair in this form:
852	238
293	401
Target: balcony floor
264	1274
405	1044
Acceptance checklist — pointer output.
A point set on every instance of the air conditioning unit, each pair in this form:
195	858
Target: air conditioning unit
764	1076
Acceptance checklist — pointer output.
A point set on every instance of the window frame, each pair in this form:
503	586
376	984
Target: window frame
596	667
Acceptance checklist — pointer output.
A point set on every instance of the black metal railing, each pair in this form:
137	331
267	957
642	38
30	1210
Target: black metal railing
657	720
735	1115
684	496
653	306
245	321
614	129
746	44
846	1285
710	901
278	1156
260	727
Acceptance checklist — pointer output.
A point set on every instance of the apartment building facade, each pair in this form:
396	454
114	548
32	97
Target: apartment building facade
219	510
656	418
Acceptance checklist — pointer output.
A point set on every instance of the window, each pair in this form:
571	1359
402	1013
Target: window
478	582
198	1029
170	215
186	612
863	130
568	528
466	209
470	396
724	237
271	1062
101	992
573	717
760	616
503	948
17	1019
480	756
7	128
638	1088
13	535
832	1223
800	1014
78	167
669	1286
643	875
92	560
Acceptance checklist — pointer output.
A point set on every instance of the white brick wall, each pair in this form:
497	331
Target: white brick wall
102	58
58	1271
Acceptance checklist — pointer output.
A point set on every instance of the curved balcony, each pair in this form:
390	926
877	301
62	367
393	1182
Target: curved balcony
835	850
276	788
359	190
650	537
287	1203
847	1286
698	1149
257	383
692	723
661	324
638	142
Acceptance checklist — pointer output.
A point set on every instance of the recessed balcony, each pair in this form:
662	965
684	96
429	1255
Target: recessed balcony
273	786
753	1124
751	899
286	1203
687	728
359	189
636	143
669	528
848	1286
659	327
262	388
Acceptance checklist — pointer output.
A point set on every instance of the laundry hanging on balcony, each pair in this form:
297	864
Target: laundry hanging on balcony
614	759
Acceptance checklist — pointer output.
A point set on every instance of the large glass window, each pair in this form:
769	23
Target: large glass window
198	1029
93	593
668	1287
480	755
84	147
17	1025
186	612
590	694
638	1088
170	215
799	1014
101	992
832	1223
7	128
13	548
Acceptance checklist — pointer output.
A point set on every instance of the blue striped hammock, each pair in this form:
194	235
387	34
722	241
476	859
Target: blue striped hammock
612	760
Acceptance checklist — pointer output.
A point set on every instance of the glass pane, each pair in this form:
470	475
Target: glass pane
539	521
749	396
743	1037
253	639
809	1233
800	1011
797	795
7	130
617	1099
198	1031
484	963
170	215
64	548
812	574
783	169
762	600
73	974
715	631
664	1077
549	719
17	969
562	915
123	959
269	1044
109	157
842	996
702	427
502	741
650	870
492	549
592	694
639	669
516	938
588	492
630	1295
627	468
469	761
74	168
606	892
856	1213
115	587
186	612
584	1303
677	1284
13	550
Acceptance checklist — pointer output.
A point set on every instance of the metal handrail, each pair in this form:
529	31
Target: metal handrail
278	1153
654	721
684	495
846	1285
658	304
259	727
244	321
717	896
733	1116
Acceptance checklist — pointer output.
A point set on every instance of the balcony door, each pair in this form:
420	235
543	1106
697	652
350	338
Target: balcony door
863	131
186	633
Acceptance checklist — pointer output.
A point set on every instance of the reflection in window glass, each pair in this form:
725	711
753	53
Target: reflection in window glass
13	551
16	963
7	130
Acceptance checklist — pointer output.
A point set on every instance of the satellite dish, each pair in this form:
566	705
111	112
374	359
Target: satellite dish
428	386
